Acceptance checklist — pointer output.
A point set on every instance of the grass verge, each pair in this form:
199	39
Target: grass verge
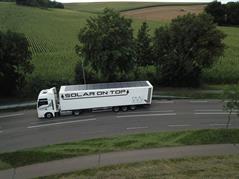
190	167
124	142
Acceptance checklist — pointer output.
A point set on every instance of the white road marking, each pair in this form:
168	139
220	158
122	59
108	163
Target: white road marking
46	121
59	123
208	110
142	112
219	124
179	125
198	101
164	102
147	115
213	113
12	115
1	131
135	128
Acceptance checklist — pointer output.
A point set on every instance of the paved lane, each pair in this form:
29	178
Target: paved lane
22	129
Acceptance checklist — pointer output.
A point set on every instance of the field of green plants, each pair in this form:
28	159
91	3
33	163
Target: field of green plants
226	69
52	34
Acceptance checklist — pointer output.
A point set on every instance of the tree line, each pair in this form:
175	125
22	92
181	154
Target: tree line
173	56
40	3
224	14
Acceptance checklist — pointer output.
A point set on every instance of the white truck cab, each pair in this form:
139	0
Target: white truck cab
47	103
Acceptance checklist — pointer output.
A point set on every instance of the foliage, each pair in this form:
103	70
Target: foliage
40	3
144	53
217	10
232	13
186	46
148	72
231	96
14	62
90	74
107	45
224	14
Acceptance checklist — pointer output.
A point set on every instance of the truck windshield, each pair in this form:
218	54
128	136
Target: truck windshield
42	102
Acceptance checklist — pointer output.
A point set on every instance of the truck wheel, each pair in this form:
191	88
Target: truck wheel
132	108
124	108
48	115
116	109
76	113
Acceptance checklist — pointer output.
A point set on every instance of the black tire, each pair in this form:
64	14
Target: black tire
132	108
116	109
124	108
76	113
48	115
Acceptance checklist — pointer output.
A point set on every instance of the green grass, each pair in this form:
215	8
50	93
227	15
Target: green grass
124	142
191	167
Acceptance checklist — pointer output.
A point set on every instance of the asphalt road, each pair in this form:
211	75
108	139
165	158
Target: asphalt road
22	129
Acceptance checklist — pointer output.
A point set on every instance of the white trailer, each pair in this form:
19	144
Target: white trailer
75	98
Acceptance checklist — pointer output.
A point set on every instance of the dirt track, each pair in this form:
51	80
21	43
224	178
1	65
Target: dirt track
164	13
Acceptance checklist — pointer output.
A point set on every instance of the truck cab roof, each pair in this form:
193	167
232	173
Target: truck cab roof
46	92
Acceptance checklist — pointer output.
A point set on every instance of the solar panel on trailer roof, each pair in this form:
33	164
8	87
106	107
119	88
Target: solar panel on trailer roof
107	85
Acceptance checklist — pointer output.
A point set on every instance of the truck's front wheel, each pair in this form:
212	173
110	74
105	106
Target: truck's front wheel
76	113
48	115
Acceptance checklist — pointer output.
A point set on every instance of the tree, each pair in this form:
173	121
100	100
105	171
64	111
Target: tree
186	46
14	62
232	13
218	11
107	45
144	54
231	99
224	14
40	3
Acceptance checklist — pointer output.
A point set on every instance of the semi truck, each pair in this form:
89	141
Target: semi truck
119	96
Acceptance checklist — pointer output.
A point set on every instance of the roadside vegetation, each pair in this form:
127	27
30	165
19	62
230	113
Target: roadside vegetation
190	167
53	36
120	143
15	62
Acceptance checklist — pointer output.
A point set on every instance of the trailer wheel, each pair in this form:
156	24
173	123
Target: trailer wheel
132	108
124	108
48	115
116	109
